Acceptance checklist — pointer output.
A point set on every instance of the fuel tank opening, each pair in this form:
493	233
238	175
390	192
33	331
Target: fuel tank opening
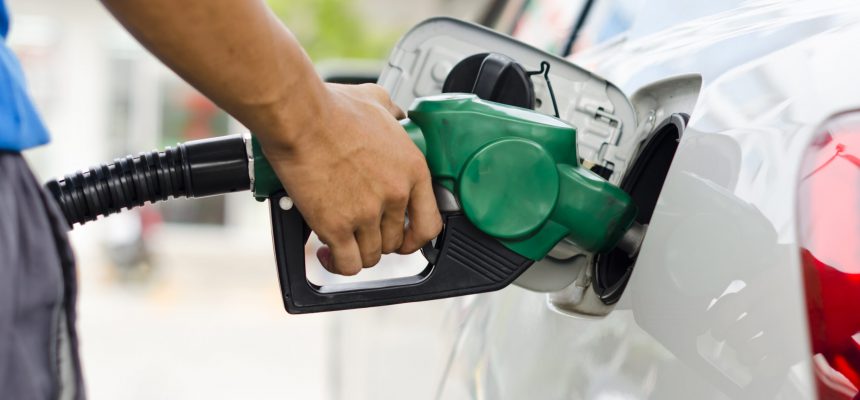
643	182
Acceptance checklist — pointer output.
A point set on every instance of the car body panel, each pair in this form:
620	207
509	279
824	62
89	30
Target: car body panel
715	306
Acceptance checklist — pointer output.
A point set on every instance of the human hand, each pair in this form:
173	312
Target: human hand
353	173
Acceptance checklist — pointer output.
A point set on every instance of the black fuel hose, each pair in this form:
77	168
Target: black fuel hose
196	168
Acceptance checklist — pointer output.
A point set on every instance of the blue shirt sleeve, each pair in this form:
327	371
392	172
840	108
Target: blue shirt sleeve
20	125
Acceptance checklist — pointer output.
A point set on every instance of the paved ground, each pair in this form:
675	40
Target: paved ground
208	323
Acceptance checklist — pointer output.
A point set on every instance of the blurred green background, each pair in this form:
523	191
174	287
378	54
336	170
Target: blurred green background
329	29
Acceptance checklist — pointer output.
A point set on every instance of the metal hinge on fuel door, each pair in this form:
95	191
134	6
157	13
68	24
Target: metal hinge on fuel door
599	139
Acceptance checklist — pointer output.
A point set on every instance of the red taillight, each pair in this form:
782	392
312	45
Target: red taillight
829	235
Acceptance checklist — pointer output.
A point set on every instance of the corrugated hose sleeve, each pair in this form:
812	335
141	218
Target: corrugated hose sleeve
196	168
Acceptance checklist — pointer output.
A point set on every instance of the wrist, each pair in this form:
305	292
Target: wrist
281	124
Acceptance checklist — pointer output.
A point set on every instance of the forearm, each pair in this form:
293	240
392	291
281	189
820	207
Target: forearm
234	52
339	151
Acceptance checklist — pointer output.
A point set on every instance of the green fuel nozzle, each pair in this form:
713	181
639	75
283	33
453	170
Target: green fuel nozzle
517	175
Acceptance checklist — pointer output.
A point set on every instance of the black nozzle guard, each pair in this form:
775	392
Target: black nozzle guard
467	261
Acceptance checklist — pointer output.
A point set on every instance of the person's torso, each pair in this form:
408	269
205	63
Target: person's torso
20	125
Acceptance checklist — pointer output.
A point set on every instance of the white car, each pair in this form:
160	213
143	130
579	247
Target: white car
732	126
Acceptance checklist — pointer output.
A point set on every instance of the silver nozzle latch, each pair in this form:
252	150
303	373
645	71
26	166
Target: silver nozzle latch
631	241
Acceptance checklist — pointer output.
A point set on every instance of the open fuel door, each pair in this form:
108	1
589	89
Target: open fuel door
422	60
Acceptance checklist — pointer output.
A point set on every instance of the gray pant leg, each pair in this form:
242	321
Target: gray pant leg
37	290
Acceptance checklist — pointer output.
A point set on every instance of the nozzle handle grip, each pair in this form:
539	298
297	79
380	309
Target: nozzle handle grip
467	261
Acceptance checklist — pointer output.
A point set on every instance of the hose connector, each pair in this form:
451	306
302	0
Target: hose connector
196	168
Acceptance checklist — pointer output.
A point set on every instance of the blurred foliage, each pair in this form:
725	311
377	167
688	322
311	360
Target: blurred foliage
334	29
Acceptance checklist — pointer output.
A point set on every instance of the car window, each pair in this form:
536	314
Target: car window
606	20
547	24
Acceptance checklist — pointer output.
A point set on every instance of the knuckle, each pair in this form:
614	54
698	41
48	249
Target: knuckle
366	216
328	225
376	90
379	89
398	196
335	234
419	168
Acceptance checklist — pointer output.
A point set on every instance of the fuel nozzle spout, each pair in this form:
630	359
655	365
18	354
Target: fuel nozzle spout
631	241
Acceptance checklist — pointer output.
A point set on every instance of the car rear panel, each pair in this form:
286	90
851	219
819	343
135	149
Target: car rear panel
715	307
